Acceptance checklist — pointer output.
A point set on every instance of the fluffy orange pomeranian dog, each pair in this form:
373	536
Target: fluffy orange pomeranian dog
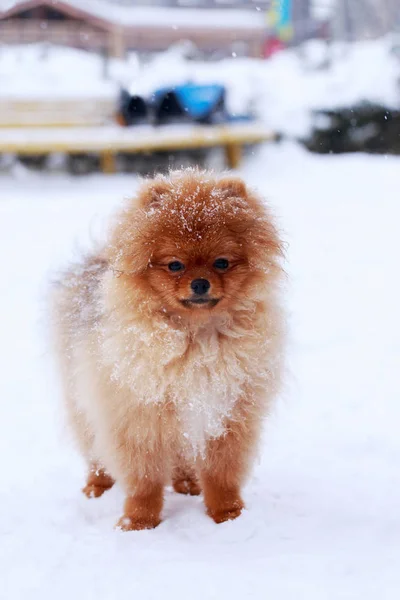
170	344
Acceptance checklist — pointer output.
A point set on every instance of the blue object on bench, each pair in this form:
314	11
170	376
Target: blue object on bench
190	102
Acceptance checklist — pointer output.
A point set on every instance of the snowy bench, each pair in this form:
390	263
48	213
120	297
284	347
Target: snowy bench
109	140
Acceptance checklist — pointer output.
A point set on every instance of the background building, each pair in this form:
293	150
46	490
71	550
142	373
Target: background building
113	26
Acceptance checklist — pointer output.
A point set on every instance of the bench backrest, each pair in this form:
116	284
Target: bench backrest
56	113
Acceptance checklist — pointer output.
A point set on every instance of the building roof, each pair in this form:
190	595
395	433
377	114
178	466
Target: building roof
143	16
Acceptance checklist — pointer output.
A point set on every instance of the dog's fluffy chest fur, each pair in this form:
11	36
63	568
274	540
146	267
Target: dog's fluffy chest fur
202	372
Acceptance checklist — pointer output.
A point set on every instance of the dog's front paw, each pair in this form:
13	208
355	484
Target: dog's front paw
97	483
226	513
94	491
126	523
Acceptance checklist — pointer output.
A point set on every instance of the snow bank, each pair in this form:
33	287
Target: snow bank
40	70
283	90
348	74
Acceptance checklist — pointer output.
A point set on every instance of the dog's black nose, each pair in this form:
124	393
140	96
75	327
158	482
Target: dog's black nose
200	286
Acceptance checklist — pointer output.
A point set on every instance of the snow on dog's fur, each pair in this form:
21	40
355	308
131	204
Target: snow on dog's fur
170	344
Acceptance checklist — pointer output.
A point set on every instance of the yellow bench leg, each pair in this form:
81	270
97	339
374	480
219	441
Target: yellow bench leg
108	162
233	154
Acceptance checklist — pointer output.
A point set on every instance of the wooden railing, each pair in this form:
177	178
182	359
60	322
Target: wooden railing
114	42
77	35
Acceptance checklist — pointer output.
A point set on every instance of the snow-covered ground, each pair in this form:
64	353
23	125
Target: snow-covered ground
323	507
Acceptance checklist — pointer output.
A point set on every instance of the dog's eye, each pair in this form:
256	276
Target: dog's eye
176	266
221	264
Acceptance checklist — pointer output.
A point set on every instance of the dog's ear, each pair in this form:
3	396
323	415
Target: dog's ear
233	187
151	194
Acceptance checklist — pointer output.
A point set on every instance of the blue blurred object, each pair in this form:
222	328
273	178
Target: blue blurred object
186	103
189	102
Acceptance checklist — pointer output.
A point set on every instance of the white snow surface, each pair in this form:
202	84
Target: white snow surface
282	91
323	504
